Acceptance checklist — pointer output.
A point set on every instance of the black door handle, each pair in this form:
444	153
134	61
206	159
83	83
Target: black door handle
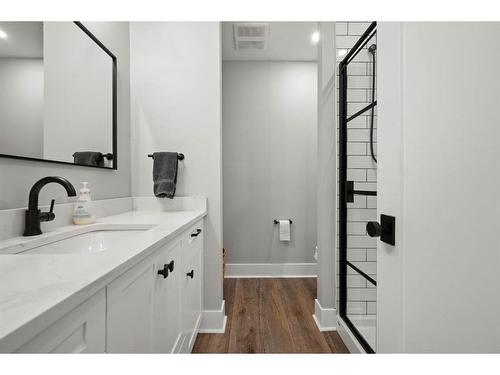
190	274
386	230
196	233
171	266
164	271
374	229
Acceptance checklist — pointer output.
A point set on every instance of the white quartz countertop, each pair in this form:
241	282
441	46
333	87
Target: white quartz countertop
37	289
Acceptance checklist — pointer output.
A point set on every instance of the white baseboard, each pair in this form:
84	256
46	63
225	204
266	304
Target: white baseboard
348	338
249	270
325	318
214	321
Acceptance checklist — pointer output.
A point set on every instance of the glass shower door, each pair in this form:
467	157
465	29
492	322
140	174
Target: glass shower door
357	191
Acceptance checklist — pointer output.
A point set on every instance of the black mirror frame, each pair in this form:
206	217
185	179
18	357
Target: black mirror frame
114	112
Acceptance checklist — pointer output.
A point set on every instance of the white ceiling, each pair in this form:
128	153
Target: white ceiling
24	39
288	41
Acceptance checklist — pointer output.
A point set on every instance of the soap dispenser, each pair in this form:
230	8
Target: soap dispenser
84	212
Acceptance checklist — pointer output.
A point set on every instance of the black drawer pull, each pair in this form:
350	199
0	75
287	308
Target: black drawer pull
164	271
190	274
171	266
196	233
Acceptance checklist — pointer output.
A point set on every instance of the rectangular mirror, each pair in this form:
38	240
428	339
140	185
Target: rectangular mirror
58	94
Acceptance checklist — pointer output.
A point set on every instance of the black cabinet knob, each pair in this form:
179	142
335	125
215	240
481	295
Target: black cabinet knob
171	266
164	271
374	229
196	233
190	274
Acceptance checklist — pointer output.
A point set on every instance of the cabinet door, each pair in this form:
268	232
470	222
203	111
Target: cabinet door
80	331
167	324
130	310
191	306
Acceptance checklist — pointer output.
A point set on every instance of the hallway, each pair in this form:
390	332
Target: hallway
270	315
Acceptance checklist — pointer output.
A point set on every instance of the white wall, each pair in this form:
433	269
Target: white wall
439	175
325	304
176	88
21	106
269	160
18	175
78	93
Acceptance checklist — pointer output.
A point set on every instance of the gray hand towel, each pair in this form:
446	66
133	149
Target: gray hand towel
87	158
165	174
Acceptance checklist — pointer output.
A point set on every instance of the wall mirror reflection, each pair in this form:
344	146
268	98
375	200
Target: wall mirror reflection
58	96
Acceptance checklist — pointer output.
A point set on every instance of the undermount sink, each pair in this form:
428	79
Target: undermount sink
90	242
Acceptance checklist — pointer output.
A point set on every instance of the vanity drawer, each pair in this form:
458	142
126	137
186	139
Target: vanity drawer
192	240
192	279
82	330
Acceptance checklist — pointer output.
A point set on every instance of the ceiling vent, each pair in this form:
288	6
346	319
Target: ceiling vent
250	35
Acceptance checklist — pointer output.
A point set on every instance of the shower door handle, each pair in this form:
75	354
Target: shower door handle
386	230
350	192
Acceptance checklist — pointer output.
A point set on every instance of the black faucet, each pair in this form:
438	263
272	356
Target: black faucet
33	215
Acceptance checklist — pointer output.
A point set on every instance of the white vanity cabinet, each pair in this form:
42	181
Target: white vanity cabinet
156	306
82	330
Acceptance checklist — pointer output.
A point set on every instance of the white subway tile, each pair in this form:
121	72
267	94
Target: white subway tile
356	174
371	174
357	161
359	202
358	123
371	202
356	255
356	281
358	135
353	108
356	228
371	255
356	308
340	28
370	268
361	214
359	82
357	28
372	186
356	148
371	308
360	241
345	41
357	69
363	56
361	294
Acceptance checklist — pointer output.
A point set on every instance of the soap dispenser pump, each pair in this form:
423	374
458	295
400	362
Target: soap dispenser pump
84	211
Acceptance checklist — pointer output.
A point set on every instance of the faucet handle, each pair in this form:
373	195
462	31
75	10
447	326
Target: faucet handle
48	216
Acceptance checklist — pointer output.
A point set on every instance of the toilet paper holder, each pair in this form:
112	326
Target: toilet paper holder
277	221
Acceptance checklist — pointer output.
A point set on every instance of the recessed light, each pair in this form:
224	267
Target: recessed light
342	52
3	34
315	37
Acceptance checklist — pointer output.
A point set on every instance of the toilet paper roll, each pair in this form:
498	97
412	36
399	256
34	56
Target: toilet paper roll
284	230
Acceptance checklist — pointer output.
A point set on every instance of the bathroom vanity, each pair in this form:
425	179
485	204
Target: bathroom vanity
131	283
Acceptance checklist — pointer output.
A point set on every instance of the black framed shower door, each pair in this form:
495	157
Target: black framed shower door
347	189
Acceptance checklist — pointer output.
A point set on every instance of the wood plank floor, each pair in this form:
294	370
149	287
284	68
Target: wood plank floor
270	316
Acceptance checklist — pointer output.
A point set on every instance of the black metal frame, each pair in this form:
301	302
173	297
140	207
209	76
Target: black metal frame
114	110
346	188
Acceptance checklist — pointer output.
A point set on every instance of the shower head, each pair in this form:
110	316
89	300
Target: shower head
372	48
